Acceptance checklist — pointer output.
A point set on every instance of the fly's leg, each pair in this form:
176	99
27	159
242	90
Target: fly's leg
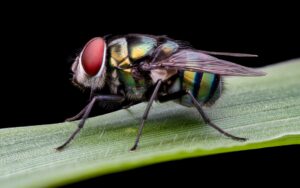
128	105
153	96
208	121
79	115
87	110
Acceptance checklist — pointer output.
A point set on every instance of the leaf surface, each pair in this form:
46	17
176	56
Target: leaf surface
266	110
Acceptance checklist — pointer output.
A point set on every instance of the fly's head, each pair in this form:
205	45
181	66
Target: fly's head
89	69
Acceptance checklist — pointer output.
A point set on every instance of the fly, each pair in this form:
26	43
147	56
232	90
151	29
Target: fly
143	68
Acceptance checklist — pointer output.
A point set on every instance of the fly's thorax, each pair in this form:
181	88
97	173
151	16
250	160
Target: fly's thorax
113	82
124	56
162	74
131	48
165	49
128	82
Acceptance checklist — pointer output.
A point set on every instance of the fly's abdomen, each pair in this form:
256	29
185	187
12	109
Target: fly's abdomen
205	87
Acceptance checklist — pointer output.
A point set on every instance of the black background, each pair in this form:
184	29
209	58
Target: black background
40	41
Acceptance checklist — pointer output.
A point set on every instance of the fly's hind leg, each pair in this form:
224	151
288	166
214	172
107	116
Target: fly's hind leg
208	121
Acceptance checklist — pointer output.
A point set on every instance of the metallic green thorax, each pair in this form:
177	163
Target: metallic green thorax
125	53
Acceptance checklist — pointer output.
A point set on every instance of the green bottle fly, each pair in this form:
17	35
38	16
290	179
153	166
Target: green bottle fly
139	68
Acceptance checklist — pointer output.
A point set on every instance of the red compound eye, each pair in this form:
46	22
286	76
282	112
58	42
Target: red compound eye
92	56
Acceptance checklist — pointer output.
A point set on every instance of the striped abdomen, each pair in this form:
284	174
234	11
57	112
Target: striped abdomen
205	87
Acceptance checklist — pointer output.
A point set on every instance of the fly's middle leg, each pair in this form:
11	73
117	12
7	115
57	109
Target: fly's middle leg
145	116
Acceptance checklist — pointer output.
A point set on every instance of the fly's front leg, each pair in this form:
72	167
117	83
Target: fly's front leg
145	116
79	115
86	111
208	121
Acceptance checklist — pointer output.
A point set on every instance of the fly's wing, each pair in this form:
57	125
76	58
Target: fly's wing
197	61
227	54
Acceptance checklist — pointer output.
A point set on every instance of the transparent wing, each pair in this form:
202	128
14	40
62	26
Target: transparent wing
228	54
198	61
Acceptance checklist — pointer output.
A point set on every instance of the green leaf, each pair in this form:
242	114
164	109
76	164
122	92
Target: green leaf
264	109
